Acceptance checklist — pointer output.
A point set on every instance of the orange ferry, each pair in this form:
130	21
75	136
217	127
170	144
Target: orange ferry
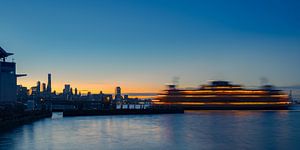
224	95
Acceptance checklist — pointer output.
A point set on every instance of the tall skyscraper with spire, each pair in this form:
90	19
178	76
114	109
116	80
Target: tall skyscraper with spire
49	88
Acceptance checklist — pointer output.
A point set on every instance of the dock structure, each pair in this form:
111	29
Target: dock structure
91	108
147	111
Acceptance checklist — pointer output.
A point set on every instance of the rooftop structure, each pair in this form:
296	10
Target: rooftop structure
4	54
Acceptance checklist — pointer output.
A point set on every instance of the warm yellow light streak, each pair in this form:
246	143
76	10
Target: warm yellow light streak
221	87
224	92
222	96
155	100
225	103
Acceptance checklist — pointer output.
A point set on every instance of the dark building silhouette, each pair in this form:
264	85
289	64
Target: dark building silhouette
49	88
76	91
22	94
8	78
44	87
67	92
67	89
118	94
33	91
38	87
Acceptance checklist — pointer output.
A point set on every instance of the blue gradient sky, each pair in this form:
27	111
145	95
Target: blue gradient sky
142	44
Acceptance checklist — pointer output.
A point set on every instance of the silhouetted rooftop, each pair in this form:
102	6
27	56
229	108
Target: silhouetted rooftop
3	53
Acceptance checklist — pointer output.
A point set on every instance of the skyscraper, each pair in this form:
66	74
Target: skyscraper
49	89
44	87
76	91
118	94
67	89
67	92
38	87
118	90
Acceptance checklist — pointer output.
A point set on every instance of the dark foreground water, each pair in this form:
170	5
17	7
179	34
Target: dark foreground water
192	130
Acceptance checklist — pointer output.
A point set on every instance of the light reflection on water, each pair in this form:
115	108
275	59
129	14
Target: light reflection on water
192	130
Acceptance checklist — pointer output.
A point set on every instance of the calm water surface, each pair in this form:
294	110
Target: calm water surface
192	130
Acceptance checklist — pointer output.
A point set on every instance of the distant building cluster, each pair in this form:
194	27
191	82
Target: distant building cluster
42	93
41	90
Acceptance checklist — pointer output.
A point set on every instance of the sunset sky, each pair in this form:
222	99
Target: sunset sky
141	45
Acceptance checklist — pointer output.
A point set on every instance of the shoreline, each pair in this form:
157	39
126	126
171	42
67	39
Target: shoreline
72	113
21	119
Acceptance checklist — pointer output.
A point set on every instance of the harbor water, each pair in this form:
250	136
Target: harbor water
192	130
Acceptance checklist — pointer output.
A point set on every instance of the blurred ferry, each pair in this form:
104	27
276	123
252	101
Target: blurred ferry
224	95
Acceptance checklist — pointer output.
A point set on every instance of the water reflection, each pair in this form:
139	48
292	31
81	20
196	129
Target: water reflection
193	130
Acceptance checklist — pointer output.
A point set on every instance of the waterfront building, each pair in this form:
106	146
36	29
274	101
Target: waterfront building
8	78
22	94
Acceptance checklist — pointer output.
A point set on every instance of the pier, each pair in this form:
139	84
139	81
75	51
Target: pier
147	111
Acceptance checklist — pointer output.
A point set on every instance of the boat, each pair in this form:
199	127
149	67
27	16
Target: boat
224	95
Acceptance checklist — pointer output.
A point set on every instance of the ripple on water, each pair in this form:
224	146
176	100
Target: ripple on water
192	130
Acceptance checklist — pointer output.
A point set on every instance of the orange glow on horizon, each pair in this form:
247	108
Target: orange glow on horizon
96	88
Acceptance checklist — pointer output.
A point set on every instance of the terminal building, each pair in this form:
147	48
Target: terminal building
8	79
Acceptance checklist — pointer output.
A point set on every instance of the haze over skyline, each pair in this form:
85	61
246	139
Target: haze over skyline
141	45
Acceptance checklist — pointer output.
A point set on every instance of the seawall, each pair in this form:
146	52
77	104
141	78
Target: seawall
121	112
14	120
